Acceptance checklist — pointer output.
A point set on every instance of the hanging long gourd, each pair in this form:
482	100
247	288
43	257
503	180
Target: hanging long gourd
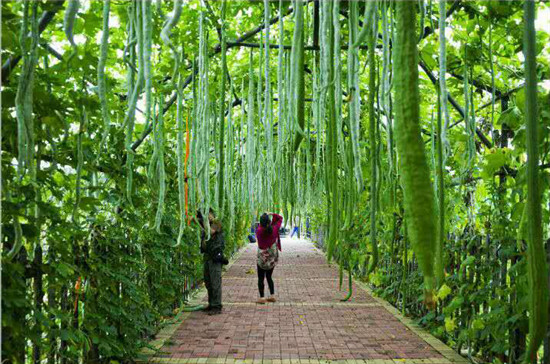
492	66
297	75
229	159
130	51
68	25
193	166
220	180
373	145
443	73
353	92
101	82
250	137
337	81
130	115
442	142
422	7
332	138
186	163
160	169
469	117
24	96
147	49
204	121
536	255
18	233
131	41
268	107
280	109
385	92
439	275
367	23
79	163
166	32
153	161
415	173
317	116
180	160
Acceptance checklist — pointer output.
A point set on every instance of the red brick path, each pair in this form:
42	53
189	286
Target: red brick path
307	322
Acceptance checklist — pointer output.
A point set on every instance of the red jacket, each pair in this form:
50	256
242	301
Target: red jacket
266	240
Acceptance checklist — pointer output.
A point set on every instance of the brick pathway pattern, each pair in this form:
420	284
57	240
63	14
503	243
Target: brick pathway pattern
308	321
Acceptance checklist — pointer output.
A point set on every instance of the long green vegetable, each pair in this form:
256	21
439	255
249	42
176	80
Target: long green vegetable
439	269
24	96
350	282
536	255
221	155
415	173
469	120
373	147
180	158
79	163
18	234
132	103
331	131
297	75
367	23
166	32
204	120
160	169
268	110
443	72
68	24
101	82
337	81
146	54
353	91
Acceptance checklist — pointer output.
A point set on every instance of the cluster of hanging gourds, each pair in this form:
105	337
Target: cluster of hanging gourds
255	171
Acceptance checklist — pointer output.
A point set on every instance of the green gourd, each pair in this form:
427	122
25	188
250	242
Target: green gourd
79	163
24	96
180	161
537	270
68	25
166	32
415	173
101	82
146	54
221	155
132	103
443	74
160	168
373	148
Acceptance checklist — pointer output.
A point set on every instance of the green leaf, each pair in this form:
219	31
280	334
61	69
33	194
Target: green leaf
443	292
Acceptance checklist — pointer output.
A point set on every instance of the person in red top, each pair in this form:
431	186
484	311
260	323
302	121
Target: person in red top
269	245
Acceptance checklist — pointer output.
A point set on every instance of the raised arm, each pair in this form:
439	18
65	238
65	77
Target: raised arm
276	221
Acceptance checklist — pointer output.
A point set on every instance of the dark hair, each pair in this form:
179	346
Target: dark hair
266	223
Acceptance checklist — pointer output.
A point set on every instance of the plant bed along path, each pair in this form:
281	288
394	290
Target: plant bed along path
308	323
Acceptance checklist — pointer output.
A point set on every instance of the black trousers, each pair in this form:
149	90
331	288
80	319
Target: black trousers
213	283
262	274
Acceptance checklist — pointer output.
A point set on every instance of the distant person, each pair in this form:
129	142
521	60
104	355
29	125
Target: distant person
212	250
269	245
296	230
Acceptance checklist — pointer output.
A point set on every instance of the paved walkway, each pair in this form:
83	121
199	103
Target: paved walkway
308	323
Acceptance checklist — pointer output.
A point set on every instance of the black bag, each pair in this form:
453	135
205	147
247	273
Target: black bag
251	238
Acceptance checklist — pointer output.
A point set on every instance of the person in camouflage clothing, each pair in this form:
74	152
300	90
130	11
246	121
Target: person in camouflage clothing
212	250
